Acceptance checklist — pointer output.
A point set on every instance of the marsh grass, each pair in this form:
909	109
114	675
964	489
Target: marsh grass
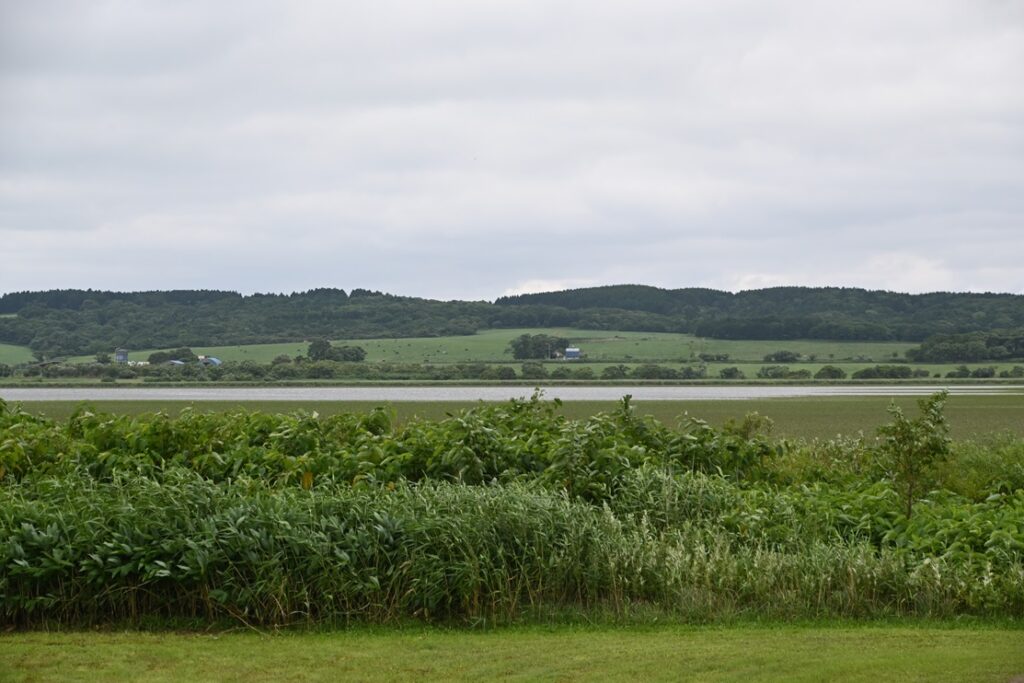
494	515
82	552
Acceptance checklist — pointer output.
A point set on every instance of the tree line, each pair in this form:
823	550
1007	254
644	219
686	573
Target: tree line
994	345
840	313
76	322
285	369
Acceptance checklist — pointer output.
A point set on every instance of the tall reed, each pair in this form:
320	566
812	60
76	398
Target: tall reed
78	551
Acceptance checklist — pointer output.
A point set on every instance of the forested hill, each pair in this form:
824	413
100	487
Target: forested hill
799	312
64	322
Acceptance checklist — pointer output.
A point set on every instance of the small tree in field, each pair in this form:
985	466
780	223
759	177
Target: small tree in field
830	372
910	447
527	346
319	349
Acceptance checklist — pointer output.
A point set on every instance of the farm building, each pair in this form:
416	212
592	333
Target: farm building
572	353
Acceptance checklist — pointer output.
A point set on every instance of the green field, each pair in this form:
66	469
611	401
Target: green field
11	354
672	653
598	345
969	416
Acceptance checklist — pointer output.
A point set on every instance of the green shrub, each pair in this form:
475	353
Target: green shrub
496	513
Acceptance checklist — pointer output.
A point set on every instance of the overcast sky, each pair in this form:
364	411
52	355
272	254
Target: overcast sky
469	149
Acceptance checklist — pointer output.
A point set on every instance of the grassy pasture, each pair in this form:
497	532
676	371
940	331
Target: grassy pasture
610	346
12	354
969	416
679	347
598	345
566	653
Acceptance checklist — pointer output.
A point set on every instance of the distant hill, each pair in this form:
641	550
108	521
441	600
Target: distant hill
800	312
66	322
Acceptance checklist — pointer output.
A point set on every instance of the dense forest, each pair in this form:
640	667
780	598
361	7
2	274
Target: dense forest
64	322
994	345
799	312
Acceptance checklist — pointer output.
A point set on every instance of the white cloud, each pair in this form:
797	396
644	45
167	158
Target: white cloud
464	149
535	286
901	272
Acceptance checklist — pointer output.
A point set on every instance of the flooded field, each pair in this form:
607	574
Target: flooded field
486	393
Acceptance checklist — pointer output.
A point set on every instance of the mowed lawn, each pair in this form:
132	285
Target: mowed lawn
599	345
672	653
969	416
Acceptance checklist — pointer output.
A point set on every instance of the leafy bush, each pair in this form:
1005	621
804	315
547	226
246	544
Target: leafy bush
782	372
652	371
688	372
782	357
534	371
884	372
911	447
830	372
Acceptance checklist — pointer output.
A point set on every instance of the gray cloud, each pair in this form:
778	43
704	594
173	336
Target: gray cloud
459	149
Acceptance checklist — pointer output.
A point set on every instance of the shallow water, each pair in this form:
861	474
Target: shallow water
485	393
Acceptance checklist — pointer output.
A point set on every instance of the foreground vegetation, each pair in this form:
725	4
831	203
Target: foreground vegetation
498	514
738	653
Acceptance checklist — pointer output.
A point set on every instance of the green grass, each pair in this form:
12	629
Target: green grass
602	348
598	345
969	416
12	354
613	346
826	351
670	653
